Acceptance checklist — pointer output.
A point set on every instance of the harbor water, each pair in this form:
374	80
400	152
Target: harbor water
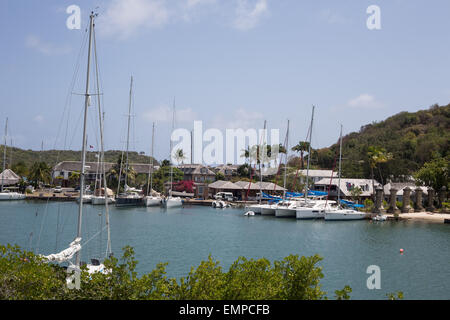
185	236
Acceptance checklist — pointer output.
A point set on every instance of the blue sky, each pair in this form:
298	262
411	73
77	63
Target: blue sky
231	63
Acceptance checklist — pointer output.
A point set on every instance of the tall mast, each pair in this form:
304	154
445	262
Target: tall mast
340	159
150	169
285	161
309	154
128	130
4	154
101	117
170	159
83	148
261	158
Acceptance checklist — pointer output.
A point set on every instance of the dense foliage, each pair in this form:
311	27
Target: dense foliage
24	275
412	139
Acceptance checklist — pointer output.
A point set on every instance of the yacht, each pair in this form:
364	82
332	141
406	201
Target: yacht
314	209
152	199
268	209
6	195
100	200
129	199
286	209
172	202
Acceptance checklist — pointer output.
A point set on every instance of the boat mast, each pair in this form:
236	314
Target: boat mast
101	117
150	169
128	129
340	159
285	161
309	154
4	154
170	159
83	148
261	158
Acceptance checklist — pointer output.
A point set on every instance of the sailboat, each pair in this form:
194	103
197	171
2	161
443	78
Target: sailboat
6	194
170	201
257	207
76	246
131	196
152	199
269	209
337	212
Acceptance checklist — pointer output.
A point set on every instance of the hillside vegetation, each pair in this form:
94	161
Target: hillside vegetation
52	157
411	138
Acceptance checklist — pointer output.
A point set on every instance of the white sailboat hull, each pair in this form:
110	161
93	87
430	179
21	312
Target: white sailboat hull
101	200
12	196
344	215
309	214
285	213
173	202
152	201
256	208
268	210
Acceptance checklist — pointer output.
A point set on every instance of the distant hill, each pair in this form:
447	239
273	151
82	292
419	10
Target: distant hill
52	157
412	138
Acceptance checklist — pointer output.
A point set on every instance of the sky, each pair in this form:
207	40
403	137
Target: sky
228	63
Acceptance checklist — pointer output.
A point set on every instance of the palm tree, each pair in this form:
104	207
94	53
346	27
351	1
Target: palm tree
179	156
247	155
377	155
40	172
301	147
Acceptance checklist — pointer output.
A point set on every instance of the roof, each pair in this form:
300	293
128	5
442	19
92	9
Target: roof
92	167
255	185
195	169
8	177
400	186
225	185
347	184
319	173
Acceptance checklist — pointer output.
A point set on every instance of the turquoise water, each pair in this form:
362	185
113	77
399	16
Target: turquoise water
185	236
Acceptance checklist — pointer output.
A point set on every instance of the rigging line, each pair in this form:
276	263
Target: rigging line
68	102
75	129
95	235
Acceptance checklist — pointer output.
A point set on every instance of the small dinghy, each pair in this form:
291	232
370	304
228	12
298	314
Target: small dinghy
379	218
249	213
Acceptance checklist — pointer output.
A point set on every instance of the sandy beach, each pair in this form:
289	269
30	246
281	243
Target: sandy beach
423	216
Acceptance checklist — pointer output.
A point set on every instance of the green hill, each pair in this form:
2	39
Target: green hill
52	157
411	138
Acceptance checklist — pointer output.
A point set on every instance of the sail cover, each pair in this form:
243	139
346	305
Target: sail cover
66	254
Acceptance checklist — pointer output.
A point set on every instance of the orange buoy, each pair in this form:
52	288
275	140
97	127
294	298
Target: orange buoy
401	250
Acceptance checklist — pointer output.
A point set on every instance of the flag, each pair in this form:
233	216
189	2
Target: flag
92	147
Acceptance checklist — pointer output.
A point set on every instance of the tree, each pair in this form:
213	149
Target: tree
180	156
375	156
20	168
435	173
40	172
220	176
301	148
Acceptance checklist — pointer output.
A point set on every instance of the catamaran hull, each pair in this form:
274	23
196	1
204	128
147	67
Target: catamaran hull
285	213
344	216
255	208
309	214
267	211
11	196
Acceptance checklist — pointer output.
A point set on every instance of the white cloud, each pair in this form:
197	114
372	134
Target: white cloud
249	14
194	3
124	18
332	17
165	113
364	101
39	118
239	119
46	48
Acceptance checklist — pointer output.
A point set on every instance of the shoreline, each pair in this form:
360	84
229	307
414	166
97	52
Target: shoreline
422	216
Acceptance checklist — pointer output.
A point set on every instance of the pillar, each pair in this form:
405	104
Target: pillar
378	200
442	196
406	207
393	202
430	206
418	198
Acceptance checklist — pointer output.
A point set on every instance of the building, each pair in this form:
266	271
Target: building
346	186
316	175
8	178
227	170
197	173
400	186
64	169
242	189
